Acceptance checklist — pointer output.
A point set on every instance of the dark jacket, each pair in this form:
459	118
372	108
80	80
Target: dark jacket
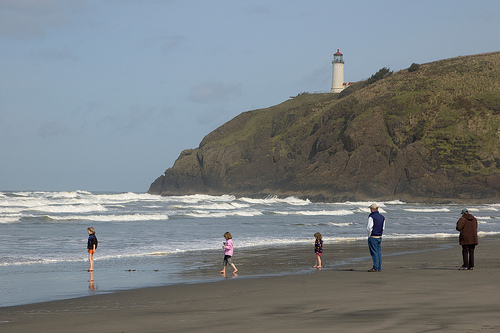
91	241
467	225
318	246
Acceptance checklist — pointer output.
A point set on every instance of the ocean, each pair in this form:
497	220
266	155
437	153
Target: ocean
148	240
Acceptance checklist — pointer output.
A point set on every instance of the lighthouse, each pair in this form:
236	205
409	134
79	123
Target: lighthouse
337	72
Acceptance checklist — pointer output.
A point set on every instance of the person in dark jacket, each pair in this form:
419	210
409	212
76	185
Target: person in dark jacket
467	225
91	246
375	228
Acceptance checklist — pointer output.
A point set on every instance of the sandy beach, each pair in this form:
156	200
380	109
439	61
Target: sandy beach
415	292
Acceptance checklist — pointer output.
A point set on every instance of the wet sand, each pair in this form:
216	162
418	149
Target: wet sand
415	292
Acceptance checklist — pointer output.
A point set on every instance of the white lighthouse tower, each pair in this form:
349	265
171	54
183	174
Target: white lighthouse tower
337	72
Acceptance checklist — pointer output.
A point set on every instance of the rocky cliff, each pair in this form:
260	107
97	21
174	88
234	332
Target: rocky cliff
431	133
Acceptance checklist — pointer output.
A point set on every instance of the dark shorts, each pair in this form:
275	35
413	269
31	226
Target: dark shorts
227	260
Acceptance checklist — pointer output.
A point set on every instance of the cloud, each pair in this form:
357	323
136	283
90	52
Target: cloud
214	92
31	18
258	9
320	76
137	119
166	44
211	116
52	128
56	54
141	118
173	43
138	116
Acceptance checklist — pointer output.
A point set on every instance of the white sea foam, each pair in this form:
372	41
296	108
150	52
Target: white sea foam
266	242
219	214
483	217
111	218
37	261
321	224
294	201
341	212
201	198
146	253
24	203
343	239
103	255
364	204
22	194
10	210
257	201
126	198
488	233
367	210
65	195
416	236
69	208
215	206
395	202
426	210
163	253
10	218
340	224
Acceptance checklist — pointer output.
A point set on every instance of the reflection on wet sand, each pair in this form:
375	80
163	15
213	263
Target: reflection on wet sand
92	285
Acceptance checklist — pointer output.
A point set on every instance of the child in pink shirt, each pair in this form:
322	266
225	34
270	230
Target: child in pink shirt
228	253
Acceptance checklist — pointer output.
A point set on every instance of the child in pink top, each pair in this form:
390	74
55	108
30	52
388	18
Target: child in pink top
228	253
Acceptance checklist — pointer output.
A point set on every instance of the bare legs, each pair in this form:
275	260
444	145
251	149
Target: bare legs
223	272
91	260
318	262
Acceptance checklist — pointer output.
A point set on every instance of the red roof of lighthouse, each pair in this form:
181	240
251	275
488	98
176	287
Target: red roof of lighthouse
338	52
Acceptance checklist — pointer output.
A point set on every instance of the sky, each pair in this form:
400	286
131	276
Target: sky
104	95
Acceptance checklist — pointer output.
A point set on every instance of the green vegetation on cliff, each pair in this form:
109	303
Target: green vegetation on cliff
432	132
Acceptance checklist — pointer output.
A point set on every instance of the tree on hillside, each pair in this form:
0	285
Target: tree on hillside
414	67
382	73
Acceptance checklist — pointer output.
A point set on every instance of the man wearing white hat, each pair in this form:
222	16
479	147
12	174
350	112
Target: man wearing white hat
375	227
